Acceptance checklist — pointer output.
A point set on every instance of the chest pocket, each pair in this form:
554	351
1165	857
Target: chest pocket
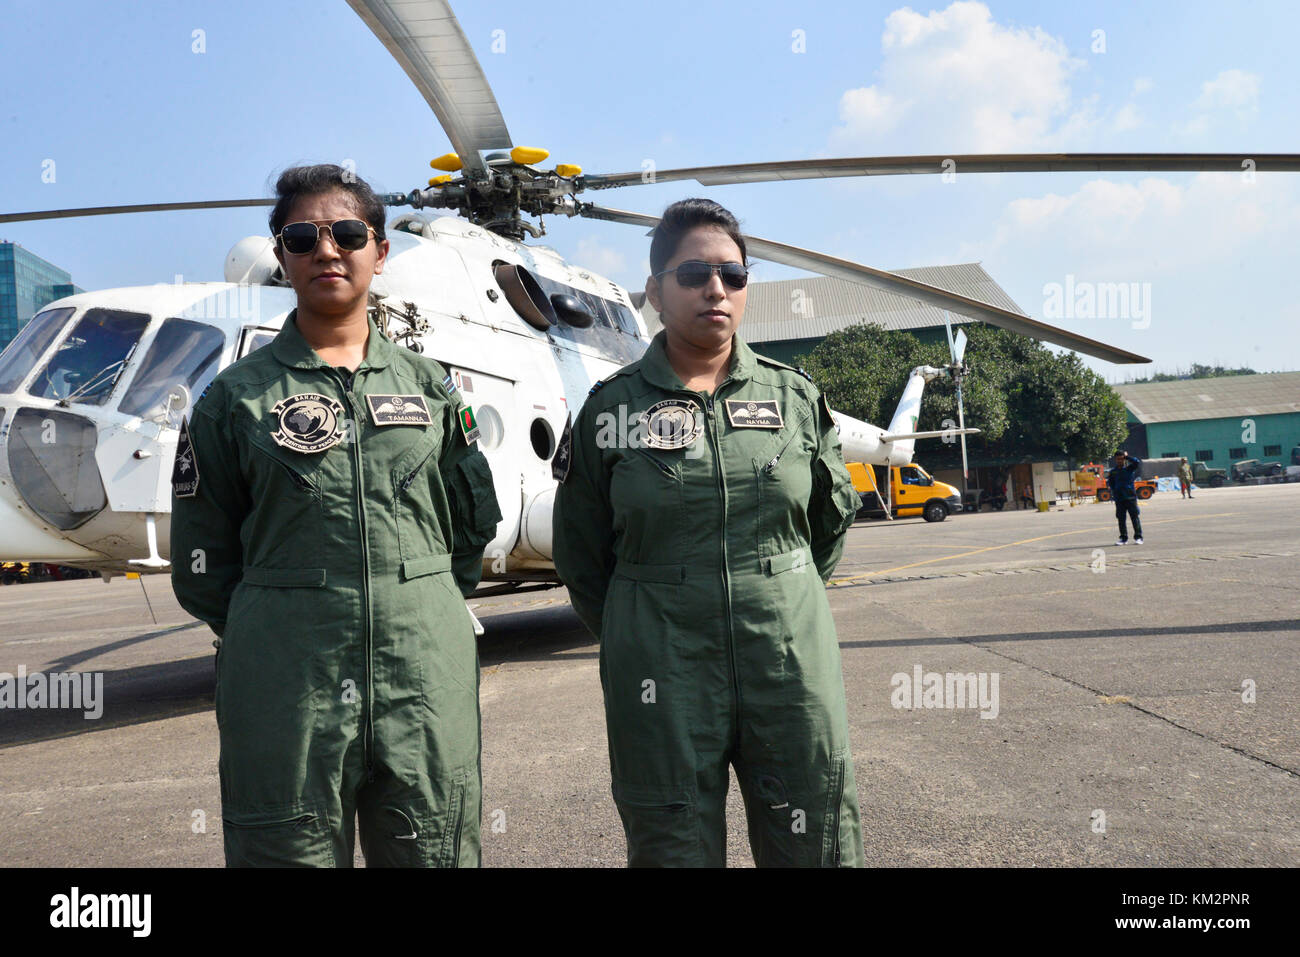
783	472
286	489
419	499
645	491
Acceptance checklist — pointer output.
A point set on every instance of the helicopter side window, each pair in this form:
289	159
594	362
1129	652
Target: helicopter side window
90	360
183	353
28	346
597	307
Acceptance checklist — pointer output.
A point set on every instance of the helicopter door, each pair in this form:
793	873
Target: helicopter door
504	440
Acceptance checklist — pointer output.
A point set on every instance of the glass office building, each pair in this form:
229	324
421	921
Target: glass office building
27	283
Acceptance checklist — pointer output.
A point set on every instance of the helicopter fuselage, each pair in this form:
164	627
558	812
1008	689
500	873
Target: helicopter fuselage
88	430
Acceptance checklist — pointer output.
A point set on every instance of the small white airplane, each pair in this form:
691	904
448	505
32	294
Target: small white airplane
94	387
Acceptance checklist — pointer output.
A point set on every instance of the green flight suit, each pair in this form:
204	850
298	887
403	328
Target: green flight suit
347	669
702	570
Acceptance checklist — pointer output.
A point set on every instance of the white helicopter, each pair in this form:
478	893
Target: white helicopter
94	387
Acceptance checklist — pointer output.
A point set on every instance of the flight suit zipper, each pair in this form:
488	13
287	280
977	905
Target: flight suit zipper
716	440
368	722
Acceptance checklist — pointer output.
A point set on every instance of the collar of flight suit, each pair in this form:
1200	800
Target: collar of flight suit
658	371
291	349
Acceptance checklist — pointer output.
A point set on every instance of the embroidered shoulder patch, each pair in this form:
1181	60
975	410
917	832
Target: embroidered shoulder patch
563	457
185	467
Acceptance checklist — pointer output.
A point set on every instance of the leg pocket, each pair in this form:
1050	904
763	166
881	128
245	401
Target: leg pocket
662	825
842	830
406	831
296	836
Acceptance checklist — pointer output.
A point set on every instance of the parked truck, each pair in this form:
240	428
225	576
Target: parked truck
1202	474
1091	480
911	491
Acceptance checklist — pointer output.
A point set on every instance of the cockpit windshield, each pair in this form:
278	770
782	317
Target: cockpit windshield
28	346
90	360
185	353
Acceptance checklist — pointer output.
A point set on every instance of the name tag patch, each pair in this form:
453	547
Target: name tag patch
754	414
185	468
399	410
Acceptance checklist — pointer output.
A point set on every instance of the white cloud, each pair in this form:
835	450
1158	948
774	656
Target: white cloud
1151	227
1232	91
599	258
1142	84
956	81
1128	118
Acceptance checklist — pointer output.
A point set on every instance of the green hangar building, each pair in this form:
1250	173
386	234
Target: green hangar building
1220	420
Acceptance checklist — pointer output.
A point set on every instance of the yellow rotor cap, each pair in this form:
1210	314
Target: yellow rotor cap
568	170
528	155
448	163
440	181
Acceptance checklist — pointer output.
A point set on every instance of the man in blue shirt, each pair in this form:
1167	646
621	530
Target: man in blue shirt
1122	475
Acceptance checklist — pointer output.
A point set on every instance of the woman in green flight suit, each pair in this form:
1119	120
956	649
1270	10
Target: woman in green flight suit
703	503
327	515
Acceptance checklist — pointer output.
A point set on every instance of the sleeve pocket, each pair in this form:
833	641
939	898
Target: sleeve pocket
835	503
474	503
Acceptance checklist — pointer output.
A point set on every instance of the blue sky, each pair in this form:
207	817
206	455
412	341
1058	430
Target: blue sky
116	97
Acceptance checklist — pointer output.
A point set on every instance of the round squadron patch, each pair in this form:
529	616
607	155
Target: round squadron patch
308	422
672	424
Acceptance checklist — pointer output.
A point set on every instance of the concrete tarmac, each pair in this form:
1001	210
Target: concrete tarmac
1146	711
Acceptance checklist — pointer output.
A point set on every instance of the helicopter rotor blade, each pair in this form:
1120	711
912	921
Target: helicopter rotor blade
899	285
426	40
388	199
958	165
139	208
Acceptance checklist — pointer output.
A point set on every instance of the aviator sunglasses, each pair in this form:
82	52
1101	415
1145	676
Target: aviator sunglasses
693	273
349	234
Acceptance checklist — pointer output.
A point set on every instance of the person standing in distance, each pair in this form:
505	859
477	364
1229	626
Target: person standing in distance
1185	478
703	504
327	517
1121	480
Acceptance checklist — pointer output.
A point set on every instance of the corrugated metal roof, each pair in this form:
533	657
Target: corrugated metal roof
829	304
816	306
1270	393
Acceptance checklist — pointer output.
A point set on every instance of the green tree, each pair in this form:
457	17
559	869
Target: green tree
1029	402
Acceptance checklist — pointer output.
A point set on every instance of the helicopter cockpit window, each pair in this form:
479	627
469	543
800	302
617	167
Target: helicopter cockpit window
28	346
90	360
183	353
625	318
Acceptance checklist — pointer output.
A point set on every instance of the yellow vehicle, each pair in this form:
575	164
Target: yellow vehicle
912	491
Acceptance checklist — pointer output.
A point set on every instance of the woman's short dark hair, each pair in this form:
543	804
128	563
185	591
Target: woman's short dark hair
683	216
325	178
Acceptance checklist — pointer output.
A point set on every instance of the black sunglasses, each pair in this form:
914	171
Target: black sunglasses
349	234
693	273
